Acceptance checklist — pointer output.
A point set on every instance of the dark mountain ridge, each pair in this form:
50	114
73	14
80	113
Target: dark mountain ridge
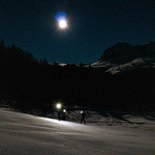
123	57
124	52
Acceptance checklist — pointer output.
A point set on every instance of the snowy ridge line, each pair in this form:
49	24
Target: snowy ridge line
124	57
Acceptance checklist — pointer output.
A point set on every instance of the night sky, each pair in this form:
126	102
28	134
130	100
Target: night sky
94	25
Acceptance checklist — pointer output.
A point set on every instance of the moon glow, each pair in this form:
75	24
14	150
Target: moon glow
62	21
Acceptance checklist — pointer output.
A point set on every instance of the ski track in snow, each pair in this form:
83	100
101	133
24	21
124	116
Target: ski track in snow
30	135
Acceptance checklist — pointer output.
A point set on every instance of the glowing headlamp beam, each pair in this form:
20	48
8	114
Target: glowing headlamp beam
58	105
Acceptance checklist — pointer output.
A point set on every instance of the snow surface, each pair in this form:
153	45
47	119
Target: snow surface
31	135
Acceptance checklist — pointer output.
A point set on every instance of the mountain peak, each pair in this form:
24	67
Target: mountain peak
117	53
123	53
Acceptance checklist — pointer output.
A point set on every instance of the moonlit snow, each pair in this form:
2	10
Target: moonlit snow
30	135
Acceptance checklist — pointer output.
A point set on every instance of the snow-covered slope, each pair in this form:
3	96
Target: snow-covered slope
124	57
30	135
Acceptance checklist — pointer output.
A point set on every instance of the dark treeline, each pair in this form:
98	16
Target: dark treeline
31	84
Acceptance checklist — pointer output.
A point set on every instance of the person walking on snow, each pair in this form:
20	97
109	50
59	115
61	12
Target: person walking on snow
83	115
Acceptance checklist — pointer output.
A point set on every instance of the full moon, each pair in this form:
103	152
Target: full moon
62	23
62	20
